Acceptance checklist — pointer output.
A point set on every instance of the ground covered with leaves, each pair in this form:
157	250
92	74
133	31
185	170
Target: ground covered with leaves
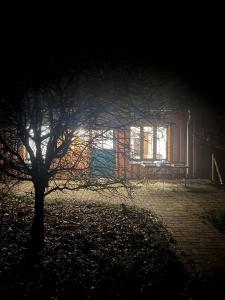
92	251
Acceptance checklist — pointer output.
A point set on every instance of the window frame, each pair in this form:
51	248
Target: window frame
154	143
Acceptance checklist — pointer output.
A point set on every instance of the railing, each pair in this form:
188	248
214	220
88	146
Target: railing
172	170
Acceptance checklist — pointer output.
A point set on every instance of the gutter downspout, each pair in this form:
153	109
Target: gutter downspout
187	158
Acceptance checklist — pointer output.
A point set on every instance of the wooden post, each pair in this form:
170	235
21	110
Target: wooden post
193	153
212	167
218	172
187	143
214	162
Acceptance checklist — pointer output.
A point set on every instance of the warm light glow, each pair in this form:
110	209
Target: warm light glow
135	142
148	143
44	143
102	139
161	143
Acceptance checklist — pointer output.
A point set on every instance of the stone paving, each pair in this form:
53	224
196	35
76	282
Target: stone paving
200	245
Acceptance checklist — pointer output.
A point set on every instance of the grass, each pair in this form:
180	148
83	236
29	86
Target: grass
92	251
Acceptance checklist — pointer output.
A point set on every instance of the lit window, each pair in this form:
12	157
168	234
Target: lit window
102	139
135	142
80	137
161	143
148	142
44	143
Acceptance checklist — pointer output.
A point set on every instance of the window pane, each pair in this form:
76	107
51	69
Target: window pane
135	135
102	139
148	143
80	140
44	143
161	143
44	130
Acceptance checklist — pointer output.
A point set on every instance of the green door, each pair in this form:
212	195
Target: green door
103	157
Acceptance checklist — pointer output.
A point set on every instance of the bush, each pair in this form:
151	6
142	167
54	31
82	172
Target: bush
217	218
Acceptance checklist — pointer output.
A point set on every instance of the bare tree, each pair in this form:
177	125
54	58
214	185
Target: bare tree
47	137
53	132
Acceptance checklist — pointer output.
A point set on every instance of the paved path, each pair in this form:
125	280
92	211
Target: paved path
200	245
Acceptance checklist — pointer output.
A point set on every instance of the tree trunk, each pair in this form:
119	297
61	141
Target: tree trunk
37	232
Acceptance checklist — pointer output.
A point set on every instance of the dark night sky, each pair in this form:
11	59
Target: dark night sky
191	47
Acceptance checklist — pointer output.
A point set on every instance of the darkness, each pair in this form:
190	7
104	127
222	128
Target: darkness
188	43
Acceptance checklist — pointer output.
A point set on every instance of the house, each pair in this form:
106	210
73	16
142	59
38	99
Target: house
162	144
153	148
168	144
